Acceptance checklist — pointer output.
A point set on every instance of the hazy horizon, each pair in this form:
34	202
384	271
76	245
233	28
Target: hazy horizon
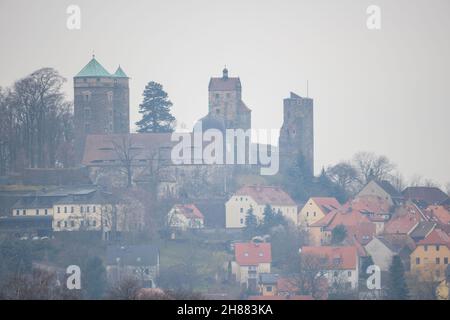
380	91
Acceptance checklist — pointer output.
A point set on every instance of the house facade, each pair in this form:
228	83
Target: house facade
257	197
250	260
338	265
431	257
315	209
185	216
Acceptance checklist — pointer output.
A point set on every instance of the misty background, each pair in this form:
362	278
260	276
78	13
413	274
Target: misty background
384	91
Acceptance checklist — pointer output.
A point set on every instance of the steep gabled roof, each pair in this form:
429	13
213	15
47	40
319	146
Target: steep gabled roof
437	236
250	253
120	73
326	204
427	195
93	69
333	258
190	211
266	195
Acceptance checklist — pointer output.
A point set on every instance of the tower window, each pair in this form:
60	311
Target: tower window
217	96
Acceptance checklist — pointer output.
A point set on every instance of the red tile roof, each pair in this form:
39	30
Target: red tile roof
436	236
404	220
440	213
334	258
250	253
190	211
326	204
370	204
267	195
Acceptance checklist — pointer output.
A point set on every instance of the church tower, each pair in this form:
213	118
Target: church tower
297	133
101	103
225	102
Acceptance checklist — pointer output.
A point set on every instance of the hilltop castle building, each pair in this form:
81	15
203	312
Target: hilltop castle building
101	103
102	117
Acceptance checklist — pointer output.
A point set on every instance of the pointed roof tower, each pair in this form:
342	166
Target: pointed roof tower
120	73
93	69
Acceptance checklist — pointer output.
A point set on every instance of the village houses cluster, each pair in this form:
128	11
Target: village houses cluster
379	222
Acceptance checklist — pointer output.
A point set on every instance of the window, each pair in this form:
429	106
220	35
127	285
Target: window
81	209
242	221
45	211
425	248
438	260
217	96
269	289
335	274
24	212
71	209
417	260
58	224
58	209
72	224
37	212
65	224
242	210
94	223
87	209
218	111
349	273
17	212
445	260
65	209
81	223
93	208
437	247
307	213
314	213
87	127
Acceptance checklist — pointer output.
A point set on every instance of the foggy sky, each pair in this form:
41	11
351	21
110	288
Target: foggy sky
384	91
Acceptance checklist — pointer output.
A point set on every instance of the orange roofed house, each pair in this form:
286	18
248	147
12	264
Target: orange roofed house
315	209
431	256
338	265
357	225
251	259
257	197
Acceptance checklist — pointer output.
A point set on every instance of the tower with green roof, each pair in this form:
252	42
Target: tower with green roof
101	103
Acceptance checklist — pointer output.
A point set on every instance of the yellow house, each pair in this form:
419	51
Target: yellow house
431	257
315	209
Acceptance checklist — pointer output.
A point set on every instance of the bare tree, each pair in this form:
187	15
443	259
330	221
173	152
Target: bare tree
372	166
126	152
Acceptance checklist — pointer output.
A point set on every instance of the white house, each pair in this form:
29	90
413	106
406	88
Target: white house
338	265
251	259
257	197
185	216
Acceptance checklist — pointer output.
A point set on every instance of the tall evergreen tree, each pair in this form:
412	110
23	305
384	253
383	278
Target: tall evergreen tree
397	288
251	223
338	234
155	110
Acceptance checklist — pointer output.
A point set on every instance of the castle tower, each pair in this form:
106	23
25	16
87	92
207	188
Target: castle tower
225	102
297	133
101	103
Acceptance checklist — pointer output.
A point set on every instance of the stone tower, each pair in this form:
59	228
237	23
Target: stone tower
225	102
297	133
101	103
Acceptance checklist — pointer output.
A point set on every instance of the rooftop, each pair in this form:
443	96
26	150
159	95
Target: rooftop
250	253
266	195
